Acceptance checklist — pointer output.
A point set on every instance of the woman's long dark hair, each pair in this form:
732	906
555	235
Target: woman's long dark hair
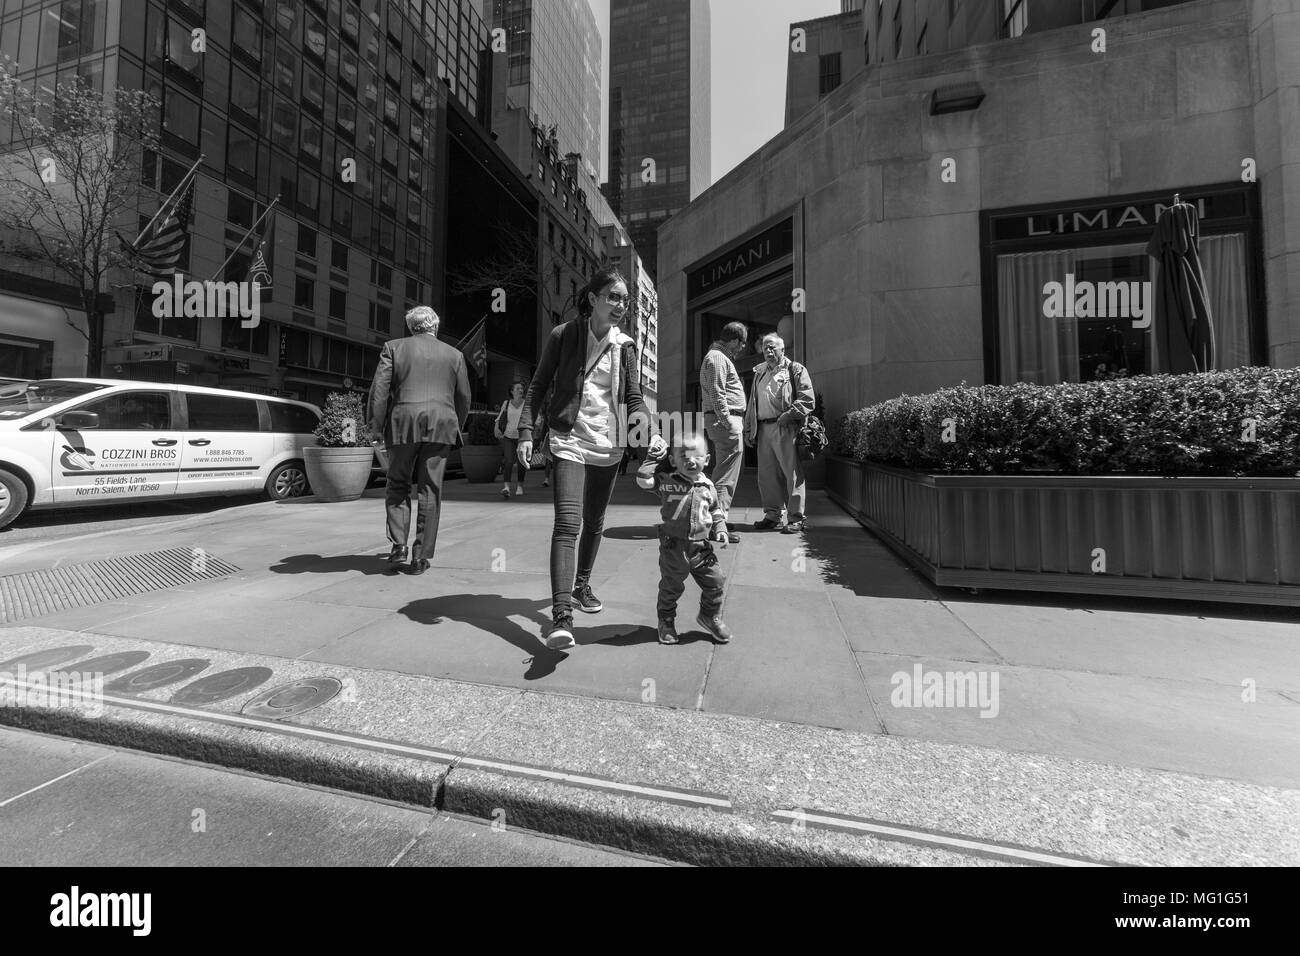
601	279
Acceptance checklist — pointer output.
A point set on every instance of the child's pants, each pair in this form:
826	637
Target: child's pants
679	557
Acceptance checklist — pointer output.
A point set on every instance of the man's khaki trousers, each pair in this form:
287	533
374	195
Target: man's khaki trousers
780	472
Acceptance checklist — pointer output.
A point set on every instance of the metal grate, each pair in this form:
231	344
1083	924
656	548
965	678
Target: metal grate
34	593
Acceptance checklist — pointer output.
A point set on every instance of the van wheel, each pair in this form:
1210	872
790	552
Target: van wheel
287	481
13	497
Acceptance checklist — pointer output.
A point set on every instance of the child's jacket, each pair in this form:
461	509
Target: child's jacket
689	509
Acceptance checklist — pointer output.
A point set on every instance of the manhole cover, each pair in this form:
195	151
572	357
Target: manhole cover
37	660
157	675
288	700
107	664
215	687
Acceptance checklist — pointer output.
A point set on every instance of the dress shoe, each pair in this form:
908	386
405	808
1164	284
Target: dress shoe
418	566
397	555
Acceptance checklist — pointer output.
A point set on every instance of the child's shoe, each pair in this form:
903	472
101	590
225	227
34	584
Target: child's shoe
716	626
667	631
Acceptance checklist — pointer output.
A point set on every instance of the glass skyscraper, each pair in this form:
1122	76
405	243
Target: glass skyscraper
659	113
554	68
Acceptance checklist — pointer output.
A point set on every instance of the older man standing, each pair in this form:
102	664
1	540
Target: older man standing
782	399
419	400
723	400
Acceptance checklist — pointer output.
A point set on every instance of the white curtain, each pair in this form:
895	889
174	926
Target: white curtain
1033	347
1223	259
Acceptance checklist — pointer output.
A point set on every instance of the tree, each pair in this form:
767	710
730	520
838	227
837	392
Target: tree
515	269
69	177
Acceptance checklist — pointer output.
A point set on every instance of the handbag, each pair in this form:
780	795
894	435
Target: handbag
811	440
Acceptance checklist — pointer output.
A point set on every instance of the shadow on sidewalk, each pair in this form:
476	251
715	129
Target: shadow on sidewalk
318	564
491	612
633	533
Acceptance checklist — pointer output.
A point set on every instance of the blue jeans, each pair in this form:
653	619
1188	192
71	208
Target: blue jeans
582	494
510	460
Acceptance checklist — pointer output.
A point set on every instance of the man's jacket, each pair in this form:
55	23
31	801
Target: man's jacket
793	394
689	508
562	366
420	391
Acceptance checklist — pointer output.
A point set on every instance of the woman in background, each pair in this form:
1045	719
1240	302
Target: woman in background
507	431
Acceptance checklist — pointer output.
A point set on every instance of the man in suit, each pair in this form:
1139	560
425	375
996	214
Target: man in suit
419	400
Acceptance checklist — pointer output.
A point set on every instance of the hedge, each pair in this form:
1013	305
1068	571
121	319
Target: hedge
1241	422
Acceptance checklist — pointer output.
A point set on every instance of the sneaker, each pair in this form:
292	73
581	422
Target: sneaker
505	492
716	626
560	634
585	600
519	490
767	524
794	527
667	631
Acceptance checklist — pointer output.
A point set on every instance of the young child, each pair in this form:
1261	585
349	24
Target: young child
691	518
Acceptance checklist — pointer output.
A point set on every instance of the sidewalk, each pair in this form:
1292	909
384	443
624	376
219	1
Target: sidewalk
1126	709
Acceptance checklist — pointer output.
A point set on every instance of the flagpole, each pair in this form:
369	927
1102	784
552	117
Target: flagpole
251	230
175	192
470	334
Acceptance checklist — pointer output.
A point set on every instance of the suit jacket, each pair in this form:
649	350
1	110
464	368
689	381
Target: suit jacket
794	394
420	391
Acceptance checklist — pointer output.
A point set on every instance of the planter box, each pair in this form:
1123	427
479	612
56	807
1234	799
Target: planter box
1211	539
481	462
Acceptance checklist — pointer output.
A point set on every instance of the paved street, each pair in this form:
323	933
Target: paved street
65	803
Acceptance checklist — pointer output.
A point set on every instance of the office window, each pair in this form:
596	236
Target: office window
348	69
306	240
310	142
313	89
304	292
181	116
245	93
339	256
338	304
380	274
378	318
241	153
240	210
1015	17
828	73
247	34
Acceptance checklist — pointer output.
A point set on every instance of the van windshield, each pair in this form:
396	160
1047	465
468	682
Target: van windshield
28	398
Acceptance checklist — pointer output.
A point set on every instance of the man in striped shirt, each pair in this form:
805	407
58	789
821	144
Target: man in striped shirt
724	412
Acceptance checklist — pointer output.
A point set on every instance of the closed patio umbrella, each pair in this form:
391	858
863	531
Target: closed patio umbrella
1184	335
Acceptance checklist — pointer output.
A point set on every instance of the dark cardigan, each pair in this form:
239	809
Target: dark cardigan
561	365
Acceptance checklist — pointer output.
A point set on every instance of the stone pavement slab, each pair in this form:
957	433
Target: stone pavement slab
824	619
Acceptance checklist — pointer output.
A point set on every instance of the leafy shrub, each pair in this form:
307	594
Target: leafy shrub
343	423
480	429
1196	424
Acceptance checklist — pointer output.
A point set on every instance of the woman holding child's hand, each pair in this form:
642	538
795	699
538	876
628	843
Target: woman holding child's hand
593	367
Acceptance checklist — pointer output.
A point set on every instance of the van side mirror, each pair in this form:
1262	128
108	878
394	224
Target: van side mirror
79	421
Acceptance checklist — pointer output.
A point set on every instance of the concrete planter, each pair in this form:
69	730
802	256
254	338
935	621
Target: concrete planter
480	462
1211	539
338	474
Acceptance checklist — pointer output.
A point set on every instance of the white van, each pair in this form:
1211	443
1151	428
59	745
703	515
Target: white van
78	441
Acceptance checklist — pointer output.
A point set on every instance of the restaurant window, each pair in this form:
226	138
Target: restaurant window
1073	299
234	335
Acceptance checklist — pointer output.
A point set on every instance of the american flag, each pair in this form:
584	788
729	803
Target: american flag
157	250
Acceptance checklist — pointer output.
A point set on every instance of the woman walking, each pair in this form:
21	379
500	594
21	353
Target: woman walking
593	367
507	431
